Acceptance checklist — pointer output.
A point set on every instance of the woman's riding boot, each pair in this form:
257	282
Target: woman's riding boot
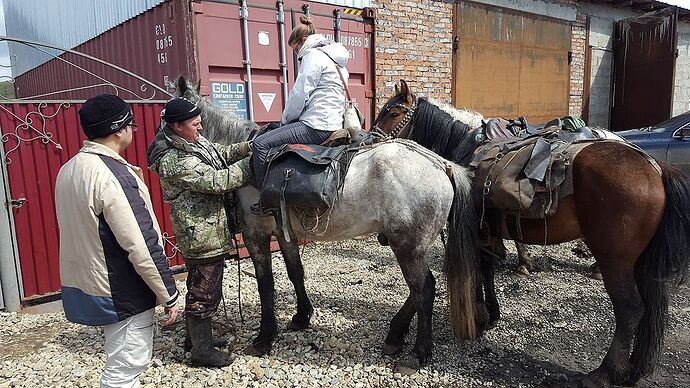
217	343
203	352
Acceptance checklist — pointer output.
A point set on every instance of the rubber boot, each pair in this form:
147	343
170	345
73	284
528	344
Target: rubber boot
217	343
203	352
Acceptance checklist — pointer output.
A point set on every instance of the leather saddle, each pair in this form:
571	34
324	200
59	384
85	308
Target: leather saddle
309	176
567	129
523	169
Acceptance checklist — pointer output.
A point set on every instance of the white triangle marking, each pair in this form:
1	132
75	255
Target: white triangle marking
267	99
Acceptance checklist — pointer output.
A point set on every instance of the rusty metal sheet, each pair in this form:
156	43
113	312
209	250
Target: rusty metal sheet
511	63
644	60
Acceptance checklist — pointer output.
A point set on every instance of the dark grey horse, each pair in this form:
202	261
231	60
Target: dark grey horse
398	189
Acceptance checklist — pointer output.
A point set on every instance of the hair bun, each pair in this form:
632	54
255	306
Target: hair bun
306	20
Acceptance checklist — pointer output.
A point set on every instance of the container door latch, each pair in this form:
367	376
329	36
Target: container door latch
17	203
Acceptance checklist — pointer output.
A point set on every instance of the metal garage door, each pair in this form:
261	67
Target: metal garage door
645	59
509	63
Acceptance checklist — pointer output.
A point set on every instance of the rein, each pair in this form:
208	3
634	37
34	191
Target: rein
406	121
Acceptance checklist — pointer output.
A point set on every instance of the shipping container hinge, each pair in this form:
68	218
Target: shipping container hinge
369	93
456	43
368	28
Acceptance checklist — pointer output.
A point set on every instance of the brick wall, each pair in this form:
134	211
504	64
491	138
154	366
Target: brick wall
414	42
577	65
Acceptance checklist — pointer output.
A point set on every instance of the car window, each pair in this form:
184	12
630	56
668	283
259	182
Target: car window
672	124
683	130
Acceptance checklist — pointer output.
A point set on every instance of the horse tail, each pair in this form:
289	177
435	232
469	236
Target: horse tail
462	260
665	259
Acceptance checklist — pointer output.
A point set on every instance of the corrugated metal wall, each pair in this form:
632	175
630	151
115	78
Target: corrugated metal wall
32	171
69	23
205	43
220	54
154	45
63	23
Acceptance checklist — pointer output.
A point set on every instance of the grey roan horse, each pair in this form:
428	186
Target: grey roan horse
398	189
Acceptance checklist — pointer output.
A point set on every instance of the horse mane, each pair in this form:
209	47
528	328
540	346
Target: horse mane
444	129
219	125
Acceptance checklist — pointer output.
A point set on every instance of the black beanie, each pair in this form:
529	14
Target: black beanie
104	114
180	109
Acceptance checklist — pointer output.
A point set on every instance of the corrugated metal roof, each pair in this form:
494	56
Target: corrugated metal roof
63	23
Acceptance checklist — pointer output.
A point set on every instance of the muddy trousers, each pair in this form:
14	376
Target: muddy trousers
129	345
204	288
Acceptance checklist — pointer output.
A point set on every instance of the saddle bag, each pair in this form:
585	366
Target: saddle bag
302	176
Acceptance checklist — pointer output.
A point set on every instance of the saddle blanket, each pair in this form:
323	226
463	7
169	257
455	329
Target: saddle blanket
528	177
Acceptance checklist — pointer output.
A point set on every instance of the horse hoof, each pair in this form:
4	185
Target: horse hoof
597	378
522	271
255	351
588	382
296	326
406	367
383	239
492	323
391	349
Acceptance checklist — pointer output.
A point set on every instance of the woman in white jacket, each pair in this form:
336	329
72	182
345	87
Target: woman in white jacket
316	103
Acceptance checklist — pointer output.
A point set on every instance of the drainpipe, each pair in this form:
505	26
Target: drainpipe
280	18
244	16
9	274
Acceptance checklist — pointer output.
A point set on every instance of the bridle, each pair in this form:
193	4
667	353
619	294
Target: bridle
406	121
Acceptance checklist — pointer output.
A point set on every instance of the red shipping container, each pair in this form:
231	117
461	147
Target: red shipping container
204	41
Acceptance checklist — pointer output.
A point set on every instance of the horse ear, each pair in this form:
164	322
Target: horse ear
181	85
397	89
403	88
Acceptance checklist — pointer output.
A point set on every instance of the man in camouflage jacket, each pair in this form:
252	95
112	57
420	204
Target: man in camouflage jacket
195	175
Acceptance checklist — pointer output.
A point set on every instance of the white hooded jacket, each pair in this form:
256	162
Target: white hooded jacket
318	97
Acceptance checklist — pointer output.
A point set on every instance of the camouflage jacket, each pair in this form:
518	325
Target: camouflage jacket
195	178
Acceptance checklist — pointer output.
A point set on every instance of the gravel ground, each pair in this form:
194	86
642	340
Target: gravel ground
555	325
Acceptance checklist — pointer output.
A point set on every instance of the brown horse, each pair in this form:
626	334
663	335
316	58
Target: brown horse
635	220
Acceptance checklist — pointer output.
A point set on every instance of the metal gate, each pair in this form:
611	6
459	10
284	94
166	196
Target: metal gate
38	137
644	65
508	63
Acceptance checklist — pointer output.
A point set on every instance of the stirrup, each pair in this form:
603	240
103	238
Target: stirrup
258	210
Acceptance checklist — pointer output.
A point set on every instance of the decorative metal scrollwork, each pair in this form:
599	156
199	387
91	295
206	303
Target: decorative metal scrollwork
168	240
142	94
28	128
5	77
